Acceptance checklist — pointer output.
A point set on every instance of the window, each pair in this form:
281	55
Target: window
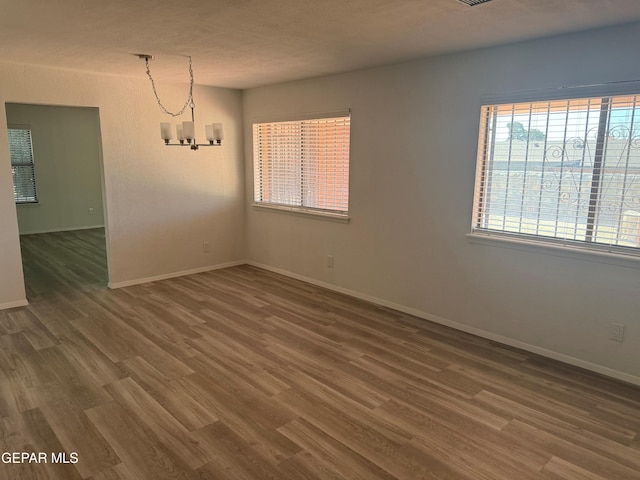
563	171
303	164
22	166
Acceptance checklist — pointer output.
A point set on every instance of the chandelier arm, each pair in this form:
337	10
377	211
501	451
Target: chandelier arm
188	104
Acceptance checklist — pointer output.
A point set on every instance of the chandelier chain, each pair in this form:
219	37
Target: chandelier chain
188	104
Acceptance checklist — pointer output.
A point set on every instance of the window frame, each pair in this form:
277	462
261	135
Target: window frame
30	165
595	251
300	208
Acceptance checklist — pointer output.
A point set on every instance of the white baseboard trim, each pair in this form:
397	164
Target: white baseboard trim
65	229
17	303
577	362
165	276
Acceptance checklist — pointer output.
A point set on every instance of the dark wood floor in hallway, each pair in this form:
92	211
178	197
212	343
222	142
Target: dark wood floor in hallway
244	374
64	262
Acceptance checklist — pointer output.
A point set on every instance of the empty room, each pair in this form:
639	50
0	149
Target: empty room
320	240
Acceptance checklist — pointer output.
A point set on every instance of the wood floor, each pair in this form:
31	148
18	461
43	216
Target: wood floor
244	374
64	262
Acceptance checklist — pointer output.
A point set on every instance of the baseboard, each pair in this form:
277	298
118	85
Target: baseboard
165	276
16	304
66	229
594	367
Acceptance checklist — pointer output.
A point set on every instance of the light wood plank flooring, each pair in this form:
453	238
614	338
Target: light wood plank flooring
244	374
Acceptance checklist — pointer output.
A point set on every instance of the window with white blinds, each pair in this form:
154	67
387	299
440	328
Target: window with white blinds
22	166
303	164
564	171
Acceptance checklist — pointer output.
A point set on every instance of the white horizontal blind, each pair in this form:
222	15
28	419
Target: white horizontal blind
303	163
561	170
22	165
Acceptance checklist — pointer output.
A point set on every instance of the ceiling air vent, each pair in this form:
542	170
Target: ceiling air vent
473	3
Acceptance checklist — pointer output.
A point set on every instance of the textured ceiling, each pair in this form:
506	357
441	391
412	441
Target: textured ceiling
246	43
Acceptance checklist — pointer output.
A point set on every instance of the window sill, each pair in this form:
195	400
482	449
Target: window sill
568	251
303	212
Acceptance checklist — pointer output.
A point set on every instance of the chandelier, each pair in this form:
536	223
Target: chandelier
185	131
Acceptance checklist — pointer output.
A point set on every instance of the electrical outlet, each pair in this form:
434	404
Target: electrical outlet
330	261
616	332
92	211
205	246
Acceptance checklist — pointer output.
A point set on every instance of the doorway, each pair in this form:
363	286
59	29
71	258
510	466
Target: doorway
56	161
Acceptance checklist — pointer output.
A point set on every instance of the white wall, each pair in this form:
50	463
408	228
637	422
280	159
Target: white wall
414	140
66	150
161	202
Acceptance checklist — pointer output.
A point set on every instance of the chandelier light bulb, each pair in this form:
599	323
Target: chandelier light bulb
189	131
166	131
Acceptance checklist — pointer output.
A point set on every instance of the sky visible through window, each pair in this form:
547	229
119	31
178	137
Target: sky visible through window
554	124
